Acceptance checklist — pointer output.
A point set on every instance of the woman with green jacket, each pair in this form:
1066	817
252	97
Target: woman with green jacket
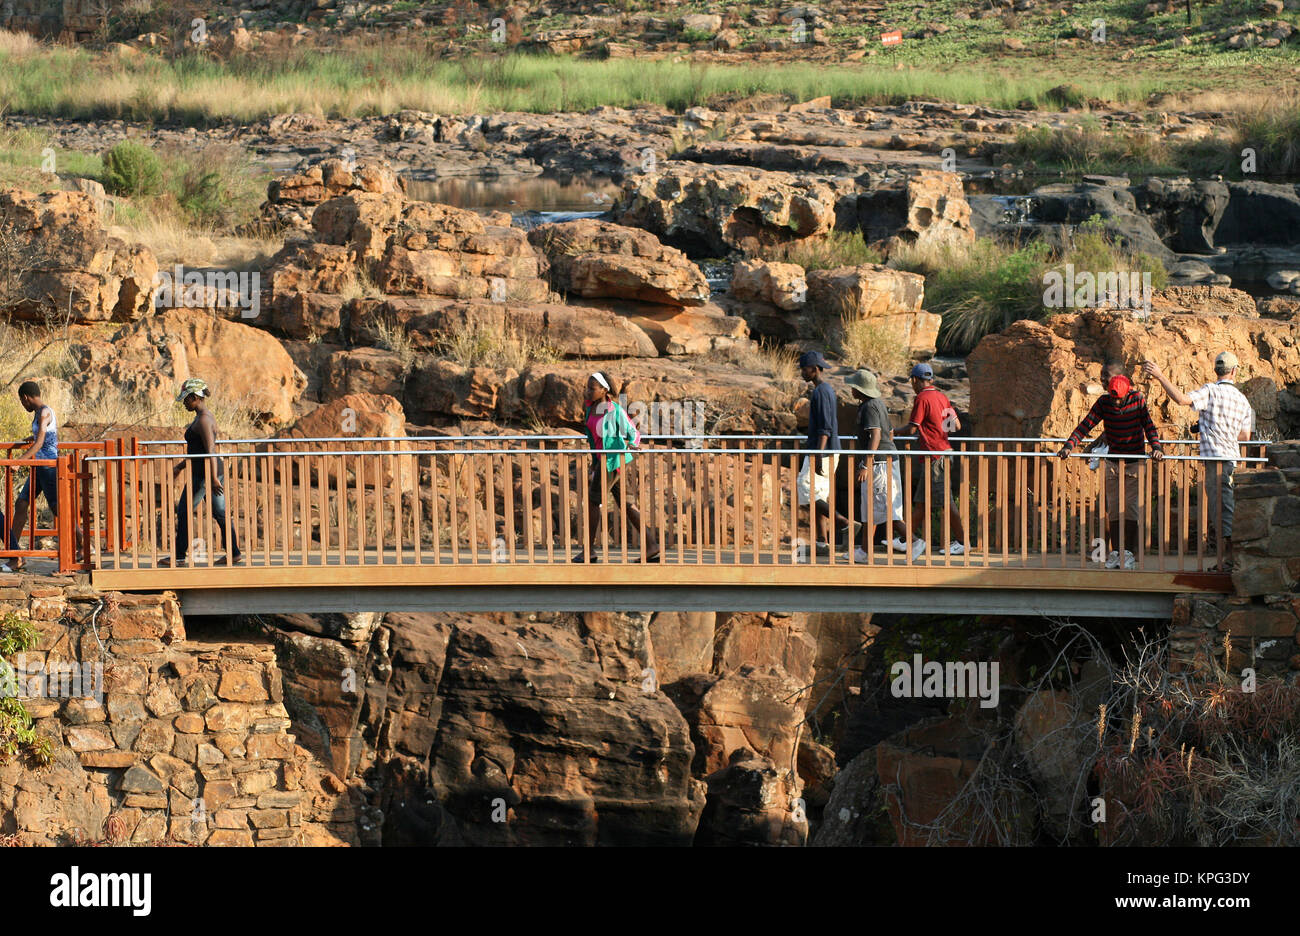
611	434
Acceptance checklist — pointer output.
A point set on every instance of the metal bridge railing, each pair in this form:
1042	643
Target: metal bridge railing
745	503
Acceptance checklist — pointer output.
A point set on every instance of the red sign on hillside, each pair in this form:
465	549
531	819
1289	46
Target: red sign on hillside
891	38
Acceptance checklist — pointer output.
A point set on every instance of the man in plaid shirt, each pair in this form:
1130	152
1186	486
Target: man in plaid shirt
1127	428
1226	419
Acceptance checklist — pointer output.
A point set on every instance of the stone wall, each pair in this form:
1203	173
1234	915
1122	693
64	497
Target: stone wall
50	17
186	740
1262	620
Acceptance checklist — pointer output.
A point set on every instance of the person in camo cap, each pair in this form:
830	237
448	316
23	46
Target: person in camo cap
200	440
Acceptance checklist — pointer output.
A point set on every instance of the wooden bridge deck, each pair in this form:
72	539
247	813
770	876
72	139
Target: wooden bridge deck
685	567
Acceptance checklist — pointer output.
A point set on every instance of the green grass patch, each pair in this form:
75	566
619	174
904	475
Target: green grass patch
983	289
837	249
73	83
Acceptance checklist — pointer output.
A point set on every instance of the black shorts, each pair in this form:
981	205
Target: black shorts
613	487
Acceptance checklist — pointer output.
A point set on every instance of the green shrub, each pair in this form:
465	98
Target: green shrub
132	169
216	186
17	736
980	290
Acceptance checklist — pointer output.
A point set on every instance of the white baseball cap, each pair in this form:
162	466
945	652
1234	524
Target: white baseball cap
1225	362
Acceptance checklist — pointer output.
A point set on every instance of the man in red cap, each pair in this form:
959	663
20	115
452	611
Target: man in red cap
1127	427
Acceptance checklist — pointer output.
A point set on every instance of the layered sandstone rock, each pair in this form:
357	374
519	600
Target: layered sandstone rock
365	415
782	285
526	732
245	367
696	330
60	262
597	259
927	208
751	802
890	300
779	301
292	200
562	330
553	392
714	210
421	249
1040	378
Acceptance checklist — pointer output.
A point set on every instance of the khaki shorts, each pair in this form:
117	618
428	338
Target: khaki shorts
931	471
820	489
1131	490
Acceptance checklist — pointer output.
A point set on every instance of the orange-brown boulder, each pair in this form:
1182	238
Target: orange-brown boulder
245	367
60	261
364	415
598	259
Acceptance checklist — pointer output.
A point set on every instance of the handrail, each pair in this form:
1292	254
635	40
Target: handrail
283	440
889	453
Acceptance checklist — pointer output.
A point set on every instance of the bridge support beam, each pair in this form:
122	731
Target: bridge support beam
1073	603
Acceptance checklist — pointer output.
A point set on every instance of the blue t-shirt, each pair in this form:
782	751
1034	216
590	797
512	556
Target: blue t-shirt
823	418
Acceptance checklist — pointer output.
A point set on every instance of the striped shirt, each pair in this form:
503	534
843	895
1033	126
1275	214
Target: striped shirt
1126	421
1225	413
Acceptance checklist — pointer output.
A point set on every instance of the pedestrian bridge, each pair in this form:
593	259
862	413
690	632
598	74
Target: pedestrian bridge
492	523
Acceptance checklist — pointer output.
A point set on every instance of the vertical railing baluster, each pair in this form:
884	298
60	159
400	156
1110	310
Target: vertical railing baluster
566	462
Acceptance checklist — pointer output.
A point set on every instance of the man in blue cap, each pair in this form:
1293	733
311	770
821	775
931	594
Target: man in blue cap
814	482
933	417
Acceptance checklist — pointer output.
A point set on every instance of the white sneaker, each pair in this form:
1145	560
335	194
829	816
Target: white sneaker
1130	561
860	555
900	545
918	549
4	567
1112	561
954	549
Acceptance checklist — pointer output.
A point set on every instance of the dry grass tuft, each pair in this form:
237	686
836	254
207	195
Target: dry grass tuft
17	45
484	347
867	343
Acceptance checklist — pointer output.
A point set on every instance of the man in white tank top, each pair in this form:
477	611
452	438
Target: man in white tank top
43	443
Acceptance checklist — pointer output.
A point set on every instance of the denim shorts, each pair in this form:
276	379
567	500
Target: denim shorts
47	483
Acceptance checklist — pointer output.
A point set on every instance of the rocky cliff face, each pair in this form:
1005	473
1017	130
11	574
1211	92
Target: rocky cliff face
568	729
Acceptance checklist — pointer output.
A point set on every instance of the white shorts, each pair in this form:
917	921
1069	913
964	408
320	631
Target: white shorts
821	483
882	504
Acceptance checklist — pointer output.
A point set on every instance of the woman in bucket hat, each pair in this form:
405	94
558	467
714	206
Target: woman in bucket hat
879	478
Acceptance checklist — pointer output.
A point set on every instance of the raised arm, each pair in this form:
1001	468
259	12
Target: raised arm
1174	393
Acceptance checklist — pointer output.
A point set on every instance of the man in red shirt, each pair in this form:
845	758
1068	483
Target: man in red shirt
933	417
